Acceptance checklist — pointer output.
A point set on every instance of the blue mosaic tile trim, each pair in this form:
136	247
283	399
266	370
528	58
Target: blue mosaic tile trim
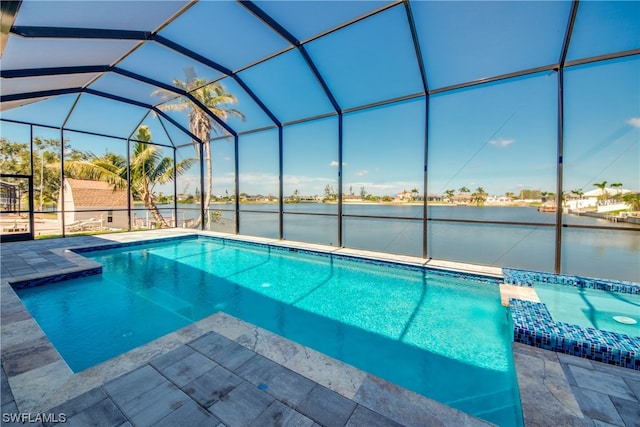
534	326
31	283
490	280
528	278
241	244
380	263
118	245
452	274
232	242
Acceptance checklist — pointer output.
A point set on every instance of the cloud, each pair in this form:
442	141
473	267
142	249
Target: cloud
502	142
334	163
381	189
634	121
361	173
258	178
293	180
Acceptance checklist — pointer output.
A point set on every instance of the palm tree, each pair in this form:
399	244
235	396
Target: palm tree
450	194
601	186
414	193
633	199
215	98
147	168
464	190
479	196
578	192
617	186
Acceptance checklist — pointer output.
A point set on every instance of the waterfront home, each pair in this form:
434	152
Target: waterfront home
600	200
404	196
351	198
462	199
498	200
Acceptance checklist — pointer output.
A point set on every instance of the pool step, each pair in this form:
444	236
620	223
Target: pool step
477	404
506	412
519	292
167	301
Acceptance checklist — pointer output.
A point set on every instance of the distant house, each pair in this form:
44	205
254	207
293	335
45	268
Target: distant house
93	206
405	196
602	201
462	199
498	200
597	193
351	198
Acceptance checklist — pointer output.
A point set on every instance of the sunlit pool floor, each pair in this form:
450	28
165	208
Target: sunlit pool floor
41	381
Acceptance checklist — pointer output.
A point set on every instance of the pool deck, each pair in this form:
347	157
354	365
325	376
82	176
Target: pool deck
222	371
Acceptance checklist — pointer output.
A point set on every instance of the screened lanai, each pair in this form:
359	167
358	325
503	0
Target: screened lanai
494	133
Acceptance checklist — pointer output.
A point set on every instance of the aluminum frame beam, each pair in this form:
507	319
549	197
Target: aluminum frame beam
560	130
105	34
34	72
292	40
78	33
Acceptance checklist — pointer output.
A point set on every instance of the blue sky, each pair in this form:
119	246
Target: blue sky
501	137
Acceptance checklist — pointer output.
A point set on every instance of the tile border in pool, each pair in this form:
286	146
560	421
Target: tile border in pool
362	259
528	278
534	326
117	245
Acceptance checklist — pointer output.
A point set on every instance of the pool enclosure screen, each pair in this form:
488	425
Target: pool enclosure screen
500	133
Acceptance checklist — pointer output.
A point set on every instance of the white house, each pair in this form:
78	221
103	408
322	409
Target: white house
596	198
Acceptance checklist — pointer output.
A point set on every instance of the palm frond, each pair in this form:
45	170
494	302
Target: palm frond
158	175
182	106
95	171
163	93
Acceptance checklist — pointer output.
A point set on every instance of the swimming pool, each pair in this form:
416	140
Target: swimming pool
444	337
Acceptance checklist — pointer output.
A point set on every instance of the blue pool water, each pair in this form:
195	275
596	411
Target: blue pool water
592	308
444	337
